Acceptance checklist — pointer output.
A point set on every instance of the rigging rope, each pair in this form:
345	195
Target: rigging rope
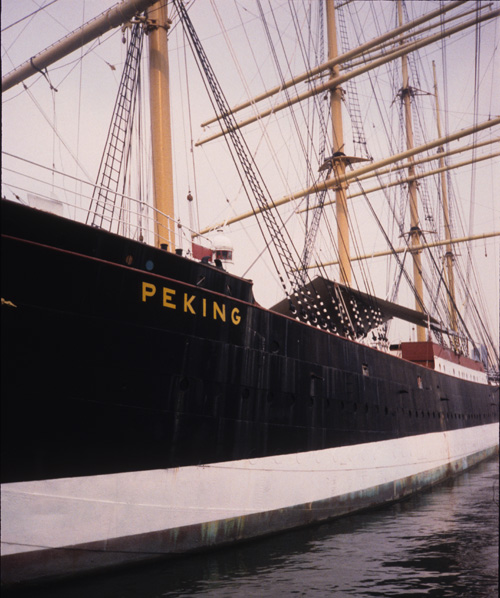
477	63
251	178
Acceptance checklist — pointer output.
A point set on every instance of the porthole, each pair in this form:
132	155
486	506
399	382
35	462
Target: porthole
150	265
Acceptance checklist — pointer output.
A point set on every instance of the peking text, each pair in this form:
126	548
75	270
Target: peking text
190	303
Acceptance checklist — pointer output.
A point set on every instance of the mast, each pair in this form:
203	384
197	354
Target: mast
161	132
448	256
415	232
338	146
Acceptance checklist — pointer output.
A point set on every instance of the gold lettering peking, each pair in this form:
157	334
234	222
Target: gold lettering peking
190	303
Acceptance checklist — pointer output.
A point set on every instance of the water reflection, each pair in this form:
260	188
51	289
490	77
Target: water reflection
440	543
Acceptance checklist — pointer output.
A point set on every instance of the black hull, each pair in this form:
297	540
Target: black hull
120	357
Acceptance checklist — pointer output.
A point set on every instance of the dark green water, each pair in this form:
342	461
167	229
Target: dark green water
440	543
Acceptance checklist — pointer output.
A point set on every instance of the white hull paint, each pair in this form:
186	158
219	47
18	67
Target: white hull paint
73	525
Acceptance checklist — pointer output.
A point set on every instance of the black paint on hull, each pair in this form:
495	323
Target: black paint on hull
120	357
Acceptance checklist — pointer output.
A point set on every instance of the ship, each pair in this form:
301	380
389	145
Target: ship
151	405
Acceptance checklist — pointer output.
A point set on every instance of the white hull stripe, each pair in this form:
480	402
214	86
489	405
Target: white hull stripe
38	518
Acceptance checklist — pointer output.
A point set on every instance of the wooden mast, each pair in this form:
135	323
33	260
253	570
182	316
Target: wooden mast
338	146
447	229
161	134
415	232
